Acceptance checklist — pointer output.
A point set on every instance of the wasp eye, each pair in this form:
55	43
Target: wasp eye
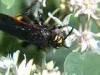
56	37
58	40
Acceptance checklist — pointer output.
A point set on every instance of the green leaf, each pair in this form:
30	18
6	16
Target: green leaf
82	64
73	21
8	3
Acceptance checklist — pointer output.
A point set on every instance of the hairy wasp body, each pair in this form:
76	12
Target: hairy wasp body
39	35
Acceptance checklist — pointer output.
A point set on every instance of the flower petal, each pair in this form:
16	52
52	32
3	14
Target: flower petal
50	65
29	67
21	69
15	56
56	19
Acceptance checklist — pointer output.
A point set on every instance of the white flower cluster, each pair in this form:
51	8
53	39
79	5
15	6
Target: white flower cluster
88	7
9	66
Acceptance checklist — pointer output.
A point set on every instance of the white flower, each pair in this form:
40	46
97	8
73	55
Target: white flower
10	67
8	62
88	7
50	70
23	68
87	41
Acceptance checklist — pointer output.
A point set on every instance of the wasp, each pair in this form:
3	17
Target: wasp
39	35
33	31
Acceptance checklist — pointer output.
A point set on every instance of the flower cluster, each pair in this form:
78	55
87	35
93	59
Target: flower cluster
88	7
9	66
88	41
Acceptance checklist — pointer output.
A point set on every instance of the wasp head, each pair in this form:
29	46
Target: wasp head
58	36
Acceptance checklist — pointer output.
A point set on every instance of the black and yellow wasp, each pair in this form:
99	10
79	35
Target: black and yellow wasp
32	31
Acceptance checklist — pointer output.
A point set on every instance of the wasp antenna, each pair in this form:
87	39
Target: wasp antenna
69	33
